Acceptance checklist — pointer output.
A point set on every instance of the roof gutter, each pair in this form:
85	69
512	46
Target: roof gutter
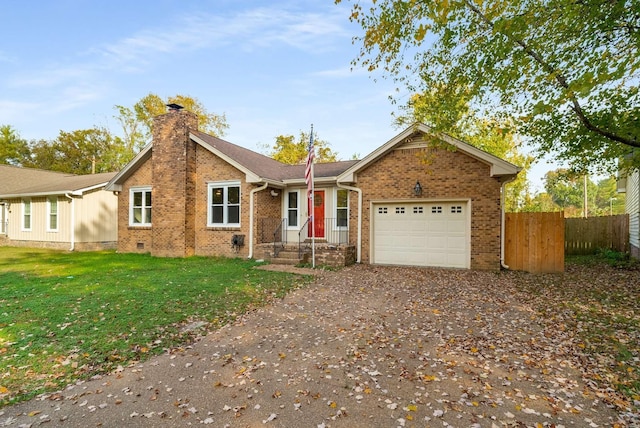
251	193
359	243
38	194
73	221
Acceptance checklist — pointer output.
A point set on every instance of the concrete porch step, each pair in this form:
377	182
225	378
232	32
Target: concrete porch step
285	261
287	254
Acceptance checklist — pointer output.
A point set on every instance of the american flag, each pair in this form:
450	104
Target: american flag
308	172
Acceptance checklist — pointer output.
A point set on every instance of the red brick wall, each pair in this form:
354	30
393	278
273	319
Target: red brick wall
449	175
173	169
216	241
178	172
133	239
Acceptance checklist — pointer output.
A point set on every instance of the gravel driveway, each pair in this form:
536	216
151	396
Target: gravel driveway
364	346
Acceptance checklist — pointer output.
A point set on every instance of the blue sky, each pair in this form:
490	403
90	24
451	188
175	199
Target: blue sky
272	67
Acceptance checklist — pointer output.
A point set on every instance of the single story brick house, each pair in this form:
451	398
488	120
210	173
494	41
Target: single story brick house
409	202
49	209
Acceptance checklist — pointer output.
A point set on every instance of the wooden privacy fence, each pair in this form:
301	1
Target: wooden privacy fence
534	242
588	235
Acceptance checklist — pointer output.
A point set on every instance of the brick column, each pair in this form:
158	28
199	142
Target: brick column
173	191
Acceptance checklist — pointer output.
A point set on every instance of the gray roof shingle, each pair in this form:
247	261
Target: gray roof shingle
17	181
267	167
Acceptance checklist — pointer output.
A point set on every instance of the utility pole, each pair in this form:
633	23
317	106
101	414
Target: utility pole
585	210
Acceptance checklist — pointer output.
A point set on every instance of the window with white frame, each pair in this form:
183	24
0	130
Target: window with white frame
342	208
26	214
292	209
140	206
52	214
224	204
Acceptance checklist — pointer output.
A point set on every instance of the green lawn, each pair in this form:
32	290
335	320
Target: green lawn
67	316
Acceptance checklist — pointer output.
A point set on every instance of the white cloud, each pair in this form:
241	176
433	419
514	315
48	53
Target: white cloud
252	29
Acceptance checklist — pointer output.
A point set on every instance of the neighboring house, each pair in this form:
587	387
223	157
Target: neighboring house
56	210
631	186
189	193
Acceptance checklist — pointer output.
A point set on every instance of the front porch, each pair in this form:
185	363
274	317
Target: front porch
279	244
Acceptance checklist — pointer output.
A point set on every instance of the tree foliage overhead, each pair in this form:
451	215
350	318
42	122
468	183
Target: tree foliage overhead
84	151
137	121
97	149
287	149
565	72
490	135
13	149
565	190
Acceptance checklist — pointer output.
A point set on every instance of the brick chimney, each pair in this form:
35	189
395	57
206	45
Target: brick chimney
173	192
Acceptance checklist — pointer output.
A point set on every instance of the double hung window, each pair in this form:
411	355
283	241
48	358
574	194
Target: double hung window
224	204
292	209
26	214
140	206
342	208
52	214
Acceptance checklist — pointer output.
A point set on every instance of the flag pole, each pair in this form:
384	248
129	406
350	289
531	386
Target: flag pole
312	200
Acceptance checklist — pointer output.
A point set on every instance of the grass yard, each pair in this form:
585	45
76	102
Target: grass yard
68	316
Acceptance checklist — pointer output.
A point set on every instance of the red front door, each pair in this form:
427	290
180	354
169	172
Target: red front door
318	214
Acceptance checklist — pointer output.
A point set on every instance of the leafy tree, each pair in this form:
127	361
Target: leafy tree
491	135
79	152
13	149
133	139
541	202
287	150
137	122
565	72
566	191
607	199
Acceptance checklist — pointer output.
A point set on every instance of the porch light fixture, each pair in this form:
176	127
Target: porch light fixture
417	189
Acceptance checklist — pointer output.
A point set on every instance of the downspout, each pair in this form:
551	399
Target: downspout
73	221
251	193
502	220
359	244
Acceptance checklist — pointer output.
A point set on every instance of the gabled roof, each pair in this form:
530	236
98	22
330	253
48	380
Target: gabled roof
263	168
257	167
24	182
498	167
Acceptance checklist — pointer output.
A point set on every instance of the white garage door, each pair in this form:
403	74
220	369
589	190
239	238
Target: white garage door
421	234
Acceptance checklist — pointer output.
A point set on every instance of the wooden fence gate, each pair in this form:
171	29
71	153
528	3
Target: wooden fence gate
534	242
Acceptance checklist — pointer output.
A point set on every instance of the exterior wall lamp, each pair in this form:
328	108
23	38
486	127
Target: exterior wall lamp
417	189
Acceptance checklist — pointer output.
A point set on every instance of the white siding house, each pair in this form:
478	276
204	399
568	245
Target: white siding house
631	186
56	210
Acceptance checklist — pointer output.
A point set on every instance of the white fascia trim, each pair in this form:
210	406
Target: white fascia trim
250	176
114	184
349	175
39	194
498	167
79	192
